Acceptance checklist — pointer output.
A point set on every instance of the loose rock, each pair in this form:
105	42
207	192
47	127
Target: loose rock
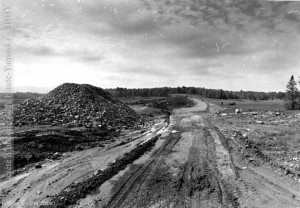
75	105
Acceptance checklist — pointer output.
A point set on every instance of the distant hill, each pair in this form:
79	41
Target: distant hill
75	105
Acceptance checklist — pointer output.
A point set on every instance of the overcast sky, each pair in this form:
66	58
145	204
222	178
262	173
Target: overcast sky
229	44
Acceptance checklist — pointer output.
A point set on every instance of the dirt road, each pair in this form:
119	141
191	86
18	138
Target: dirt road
191	165
186	171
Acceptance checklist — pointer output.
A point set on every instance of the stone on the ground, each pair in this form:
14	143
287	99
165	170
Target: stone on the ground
259	122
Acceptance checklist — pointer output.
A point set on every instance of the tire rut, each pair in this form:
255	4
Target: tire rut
142	172
209	188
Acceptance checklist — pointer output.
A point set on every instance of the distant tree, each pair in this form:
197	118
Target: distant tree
242	95
272	95
184	89
264	96
211	93
251	96
164	92
280	95
220	94
193	90
203	92
230	95
291	94
178	90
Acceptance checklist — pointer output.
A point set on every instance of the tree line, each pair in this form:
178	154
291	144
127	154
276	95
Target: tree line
203	92
22	95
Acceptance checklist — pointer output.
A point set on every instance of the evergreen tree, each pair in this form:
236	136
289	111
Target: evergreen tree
291	94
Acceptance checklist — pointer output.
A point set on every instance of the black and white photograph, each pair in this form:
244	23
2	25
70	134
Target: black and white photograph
150	104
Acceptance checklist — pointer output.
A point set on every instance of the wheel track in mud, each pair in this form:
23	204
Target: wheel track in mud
198	180
204	183
213	186
141	172
82	189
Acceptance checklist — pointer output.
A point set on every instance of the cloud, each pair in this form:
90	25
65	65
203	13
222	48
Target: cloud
36	50
144	71
32	50
91	58
205	68
277	62
137	23
161	42
99	17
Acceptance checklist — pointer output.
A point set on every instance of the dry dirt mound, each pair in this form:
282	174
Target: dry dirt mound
75	105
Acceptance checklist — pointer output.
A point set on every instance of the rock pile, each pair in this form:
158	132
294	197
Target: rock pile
75	105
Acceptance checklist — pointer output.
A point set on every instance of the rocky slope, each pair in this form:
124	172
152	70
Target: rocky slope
75	105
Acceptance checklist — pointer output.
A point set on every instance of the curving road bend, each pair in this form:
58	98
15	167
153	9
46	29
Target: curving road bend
192	167
185	171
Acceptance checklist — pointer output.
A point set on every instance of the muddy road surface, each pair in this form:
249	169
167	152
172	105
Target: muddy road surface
186	171
195	167
191	164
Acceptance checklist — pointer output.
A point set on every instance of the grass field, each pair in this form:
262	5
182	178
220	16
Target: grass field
129	100
144	110
268	105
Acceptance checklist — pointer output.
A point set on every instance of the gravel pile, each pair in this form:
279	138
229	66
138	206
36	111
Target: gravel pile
75	105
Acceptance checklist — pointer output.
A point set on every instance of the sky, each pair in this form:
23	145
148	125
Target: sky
228	44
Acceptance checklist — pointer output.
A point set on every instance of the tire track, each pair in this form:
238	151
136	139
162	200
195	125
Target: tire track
197	184
209	190
142	172
80	190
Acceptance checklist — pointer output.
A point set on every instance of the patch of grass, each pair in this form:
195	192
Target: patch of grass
180	101
269	105
162	103
145	110
138	99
